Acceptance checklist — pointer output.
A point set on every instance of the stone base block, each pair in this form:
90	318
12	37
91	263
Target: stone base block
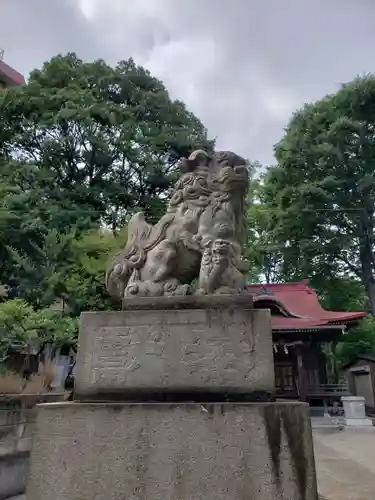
358	422
186	451
180	346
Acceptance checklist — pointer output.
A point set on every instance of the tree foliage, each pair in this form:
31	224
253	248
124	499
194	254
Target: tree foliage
82	146
358	341
343	294
348	294
263	250
21	326
322	191
21	223
99	141
82	276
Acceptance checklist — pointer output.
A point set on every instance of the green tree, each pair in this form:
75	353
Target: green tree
82	276
14	317
23	327
97	142
263	253
82	145
343	294
20	224
358	341
68	269
349	294
37	277
323	189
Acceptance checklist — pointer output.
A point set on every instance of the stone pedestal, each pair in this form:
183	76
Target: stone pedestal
355	412
164	412
185	451
164	347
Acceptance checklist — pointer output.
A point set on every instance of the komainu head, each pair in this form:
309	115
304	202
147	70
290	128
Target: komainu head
225	168
232	172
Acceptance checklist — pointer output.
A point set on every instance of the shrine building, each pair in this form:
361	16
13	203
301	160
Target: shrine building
300	328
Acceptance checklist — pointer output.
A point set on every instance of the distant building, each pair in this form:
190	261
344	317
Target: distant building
361	376
300	328
9	77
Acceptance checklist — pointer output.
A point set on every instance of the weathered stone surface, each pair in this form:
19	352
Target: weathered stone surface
245	301
200	237
13	472
177	451
139	354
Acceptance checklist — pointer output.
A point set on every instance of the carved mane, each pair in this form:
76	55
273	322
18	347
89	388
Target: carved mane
219	180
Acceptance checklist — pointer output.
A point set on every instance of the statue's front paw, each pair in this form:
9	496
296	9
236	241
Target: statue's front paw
183	290
131	290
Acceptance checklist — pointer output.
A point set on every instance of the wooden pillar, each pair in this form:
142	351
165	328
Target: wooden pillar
301	373
334	362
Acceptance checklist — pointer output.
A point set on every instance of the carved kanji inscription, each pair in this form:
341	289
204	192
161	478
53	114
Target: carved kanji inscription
177	350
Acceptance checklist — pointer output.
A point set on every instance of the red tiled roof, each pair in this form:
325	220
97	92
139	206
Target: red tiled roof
10	76
298	305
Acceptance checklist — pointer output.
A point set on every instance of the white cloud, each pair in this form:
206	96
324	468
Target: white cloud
243	66
190	55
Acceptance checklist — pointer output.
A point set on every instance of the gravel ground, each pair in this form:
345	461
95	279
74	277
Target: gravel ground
345	465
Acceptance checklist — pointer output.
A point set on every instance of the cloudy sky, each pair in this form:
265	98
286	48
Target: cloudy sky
243	66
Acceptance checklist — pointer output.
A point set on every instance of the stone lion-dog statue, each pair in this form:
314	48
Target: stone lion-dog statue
198	239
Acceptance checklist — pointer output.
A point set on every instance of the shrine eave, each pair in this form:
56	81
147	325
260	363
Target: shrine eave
294	332
290	323
296	306
282	323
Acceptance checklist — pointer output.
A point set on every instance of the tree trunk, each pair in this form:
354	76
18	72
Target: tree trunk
367	267
371	295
